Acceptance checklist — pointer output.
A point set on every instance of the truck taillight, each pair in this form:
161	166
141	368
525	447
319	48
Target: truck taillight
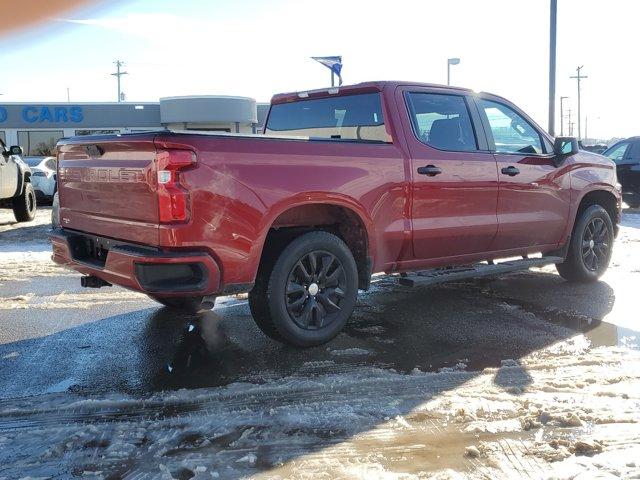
173	198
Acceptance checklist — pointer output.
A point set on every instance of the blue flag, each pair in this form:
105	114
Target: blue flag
332	63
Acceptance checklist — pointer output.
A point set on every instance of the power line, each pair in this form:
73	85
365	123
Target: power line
118	74
579	77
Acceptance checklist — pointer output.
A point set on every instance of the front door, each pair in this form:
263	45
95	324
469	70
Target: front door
454	179
533	193
626	156
8	176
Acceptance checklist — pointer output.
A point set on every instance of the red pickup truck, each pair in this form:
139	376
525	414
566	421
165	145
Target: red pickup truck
345	182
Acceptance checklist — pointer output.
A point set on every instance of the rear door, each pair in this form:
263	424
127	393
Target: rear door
533	194
453	175
107	186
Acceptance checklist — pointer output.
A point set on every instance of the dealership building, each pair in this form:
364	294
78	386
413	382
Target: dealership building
36	127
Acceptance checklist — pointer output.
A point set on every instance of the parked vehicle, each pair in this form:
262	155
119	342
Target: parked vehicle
598	148
626	155
375	177
15	184
43	176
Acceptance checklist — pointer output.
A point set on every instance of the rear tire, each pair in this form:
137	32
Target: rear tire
590	247
24	206
309	293
186	304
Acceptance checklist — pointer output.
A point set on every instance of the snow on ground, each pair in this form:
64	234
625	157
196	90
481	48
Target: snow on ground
565	411
568	411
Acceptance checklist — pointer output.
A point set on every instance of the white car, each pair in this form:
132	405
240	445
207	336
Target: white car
43	176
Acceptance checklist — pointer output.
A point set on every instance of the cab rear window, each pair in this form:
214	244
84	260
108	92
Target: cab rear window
349	117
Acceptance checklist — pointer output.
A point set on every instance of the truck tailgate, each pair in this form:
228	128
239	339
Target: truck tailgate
107	186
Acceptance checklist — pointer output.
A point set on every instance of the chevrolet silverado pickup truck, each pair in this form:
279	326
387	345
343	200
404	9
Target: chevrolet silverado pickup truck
392	177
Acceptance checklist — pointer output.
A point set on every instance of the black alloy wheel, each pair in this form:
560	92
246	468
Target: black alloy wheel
315	289
595	244
305	293
590	246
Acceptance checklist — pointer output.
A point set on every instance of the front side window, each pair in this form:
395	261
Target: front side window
616	153
511	133
442	121
348	117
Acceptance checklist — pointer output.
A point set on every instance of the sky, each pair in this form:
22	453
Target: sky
257	48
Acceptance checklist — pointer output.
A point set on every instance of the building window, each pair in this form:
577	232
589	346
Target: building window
97	132
39	142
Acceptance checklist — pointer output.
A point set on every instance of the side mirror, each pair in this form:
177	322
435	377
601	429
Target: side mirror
14	150
565	146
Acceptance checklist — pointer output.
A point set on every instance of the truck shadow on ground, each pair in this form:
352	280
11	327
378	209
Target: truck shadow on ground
462	327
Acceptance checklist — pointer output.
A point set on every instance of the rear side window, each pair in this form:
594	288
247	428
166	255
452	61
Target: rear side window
348	117
442	121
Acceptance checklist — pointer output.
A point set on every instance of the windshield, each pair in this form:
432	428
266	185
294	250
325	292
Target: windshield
32	161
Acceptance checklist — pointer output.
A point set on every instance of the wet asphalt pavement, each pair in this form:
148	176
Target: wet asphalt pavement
56	336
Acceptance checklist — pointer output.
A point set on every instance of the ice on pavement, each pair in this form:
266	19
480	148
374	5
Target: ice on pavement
576	412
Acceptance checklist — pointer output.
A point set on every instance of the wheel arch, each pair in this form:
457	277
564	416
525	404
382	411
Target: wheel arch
342	217
603	197
24	176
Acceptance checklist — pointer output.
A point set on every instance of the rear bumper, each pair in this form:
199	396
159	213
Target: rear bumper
144	269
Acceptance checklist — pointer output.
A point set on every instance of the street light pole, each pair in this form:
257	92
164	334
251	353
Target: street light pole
553	10
579	77
451	61
562	116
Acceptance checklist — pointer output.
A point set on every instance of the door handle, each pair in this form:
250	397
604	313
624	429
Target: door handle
429	170
510	170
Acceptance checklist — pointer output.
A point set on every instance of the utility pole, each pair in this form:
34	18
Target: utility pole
562	116
579	77
118	74
68	97
570	124
553	11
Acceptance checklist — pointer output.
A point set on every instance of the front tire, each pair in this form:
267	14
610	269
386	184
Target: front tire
24	206
308	295
590	247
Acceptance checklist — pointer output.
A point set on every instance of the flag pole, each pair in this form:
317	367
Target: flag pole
332	79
